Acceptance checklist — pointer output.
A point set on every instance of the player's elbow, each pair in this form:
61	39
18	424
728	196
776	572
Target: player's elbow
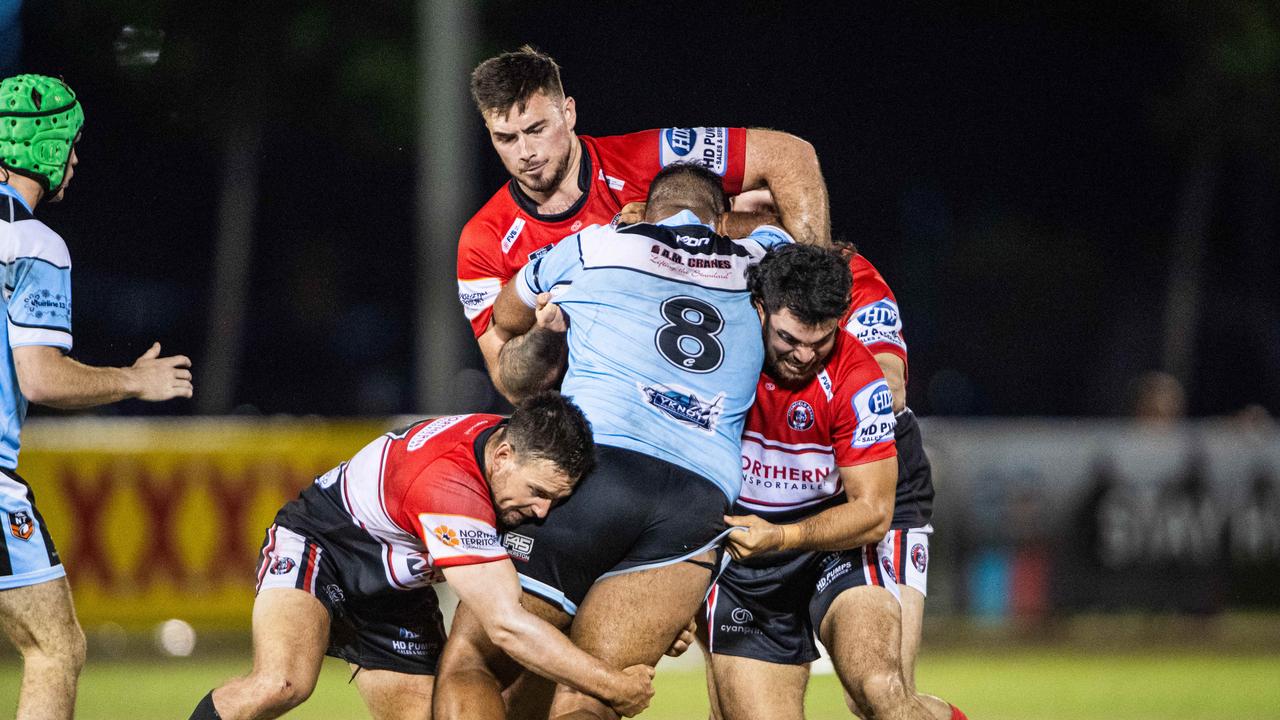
38	387
504	630
882	513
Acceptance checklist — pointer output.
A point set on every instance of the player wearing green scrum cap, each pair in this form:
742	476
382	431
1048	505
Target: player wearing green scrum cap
40	120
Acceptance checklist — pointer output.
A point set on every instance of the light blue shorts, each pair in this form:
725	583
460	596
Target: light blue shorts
27	554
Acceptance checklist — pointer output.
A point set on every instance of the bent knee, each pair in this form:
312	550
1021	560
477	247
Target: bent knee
279	692
66	651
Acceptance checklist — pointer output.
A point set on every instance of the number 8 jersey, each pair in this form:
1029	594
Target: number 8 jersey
664	343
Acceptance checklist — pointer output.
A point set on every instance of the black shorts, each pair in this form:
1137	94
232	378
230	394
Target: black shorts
773	612
633	512
913	500
316	548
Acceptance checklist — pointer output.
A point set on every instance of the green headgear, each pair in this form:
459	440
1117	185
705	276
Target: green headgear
39	120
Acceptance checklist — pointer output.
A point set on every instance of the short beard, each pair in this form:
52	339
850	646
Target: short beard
553	181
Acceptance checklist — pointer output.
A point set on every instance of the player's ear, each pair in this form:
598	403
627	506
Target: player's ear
570	113
759	310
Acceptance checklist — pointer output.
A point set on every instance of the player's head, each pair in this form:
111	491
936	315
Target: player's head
685	186
801	293
40	121
530	121
543	452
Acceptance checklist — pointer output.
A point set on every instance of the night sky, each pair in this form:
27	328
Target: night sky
1016	177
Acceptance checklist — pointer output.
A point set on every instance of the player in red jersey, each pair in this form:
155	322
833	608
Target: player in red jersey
347	568
874	319
819	472
562	182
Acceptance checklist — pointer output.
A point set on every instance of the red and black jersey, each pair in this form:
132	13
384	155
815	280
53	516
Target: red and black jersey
873	315
508	231
796	440
421	492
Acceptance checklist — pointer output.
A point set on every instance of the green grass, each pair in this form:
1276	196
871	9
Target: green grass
1015	685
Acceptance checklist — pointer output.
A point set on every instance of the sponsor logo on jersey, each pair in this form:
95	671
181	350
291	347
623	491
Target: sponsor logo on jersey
704	146
800	415
878	322
683	406
689	241
20	525
410	643
513	232
433	428
329	478
466	538
614	183
518	546
873	407
824	380
446	535
541	251
282	566
835	573
336	596
741	616
919	557
888	570
476	295
44	303
407	634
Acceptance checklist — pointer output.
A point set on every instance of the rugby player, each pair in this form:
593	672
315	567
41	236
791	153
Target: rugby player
40	122
873	318
663	355
819	470
347	568
562	182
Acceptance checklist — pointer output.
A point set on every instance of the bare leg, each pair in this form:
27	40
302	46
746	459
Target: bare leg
862	631
632	618
41	622
290	634
473	673
749	688
713	693
395	696
912	623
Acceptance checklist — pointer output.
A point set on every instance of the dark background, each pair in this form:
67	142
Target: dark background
1017	175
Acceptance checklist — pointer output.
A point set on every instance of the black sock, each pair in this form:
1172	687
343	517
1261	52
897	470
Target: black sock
205	710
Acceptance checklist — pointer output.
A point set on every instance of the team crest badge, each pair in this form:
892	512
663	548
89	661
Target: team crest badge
888	569
800	415
282	566
21	525
919	557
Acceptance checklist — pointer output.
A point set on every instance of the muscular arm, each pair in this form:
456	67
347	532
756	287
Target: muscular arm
788	167
48	377
861	521
492	592
895	373
523	349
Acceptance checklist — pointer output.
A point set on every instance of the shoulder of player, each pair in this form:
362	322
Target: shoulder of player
851	364
867	280
31	238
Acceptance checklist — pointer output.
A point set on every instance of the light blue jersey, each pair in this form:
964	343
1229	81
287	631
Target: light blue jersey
664	343
37	303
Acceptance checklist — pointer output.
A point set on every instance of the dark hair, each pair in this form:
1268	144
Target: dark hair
549	426
686	186
812	282
512	78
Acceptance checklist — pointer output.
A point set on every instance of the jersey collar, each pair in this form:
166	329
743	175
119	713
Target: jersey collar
530	207
6	190
681	219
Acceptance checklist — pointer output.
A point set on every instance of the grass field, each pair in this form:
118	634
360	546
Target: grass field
1018	684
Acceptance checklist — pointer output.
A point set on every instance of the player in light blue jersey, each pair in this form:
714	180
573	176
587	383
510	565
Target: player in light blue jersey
663	354
40	121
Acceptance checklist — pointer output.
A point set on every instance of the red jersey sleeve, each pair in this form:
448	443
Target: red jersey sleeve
862	429
630	161
481	272
452	517
873	315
